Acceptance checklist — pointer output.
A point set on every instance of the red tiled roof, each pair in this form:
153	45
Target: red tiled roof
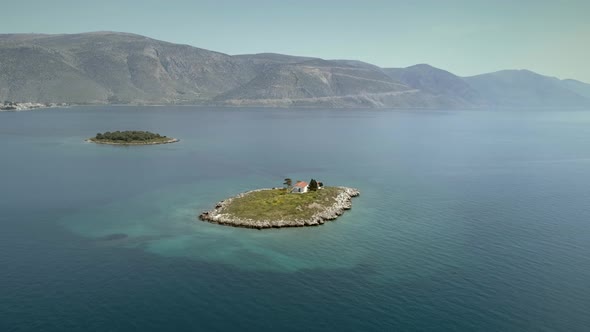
301	184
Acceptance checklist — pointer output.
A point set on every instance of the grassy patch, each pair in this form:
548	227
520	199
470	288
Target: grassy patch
278	204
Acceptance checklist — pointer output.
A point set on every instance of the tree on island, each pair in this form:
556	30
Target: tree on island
313	185
288	182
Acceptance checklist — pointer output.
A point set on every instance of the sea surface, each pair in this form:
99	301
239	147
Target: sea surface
467	221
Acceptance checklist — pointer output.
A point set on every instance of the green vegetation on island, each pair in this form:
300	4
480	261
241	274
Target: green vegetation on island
131	137
274	204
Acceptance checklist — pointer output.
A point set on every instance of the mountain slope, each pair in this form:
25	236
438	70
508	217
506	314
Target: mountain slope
302	81
125	68
311	79
113	67
523	88
437	82
581	88
32	73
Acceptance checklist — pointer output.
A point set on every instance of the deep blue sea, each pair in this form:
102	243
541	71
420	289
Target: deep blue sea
467	221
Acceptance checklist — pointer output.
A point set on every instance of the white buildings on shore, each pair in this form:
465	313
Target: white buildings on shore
15	107
300	187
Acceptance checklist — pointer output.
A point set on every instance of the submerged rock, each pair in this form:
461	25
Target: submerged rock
113	237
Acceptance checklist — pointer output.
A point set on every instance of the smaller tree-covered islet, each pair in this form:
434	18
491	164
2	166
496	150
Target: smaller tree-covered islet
131	137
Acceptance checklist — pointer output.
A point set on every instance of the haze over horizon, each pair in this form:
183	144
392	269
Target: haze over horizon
464	37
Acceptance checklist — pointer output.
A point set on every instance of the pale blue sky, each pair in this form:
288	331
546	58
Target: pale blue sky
464	37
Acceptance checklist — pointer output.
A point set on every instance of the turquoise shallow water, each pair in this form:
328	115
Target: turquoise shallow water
468	220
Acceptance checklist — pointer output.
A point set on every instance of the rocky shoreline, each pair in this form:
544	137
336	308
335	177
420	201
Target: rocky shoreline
172	140
343	202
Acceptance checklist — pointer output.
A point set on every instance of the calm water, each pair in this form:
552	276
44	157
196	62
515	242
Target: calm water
468	221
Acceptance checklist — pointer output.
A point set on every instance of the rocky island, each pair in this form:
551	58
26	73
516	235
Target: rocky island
282	207
131	137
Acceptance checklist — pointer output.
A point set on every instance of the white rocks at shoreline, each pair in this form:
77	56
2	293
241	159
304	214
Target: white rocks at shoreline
343	202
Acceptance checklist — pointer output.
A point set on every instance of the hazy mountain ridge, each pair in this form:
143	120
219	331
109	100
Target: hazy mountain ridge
524	88
437	82
120	68
110	67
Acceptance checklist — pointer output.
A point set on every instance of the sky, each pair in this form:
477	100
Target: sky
464	37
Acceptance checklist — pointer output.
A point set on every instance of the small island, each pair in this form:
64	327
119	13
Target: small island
299	205
131	137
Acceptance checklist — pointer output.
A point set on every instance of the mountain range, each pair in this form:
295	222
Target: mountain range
122	68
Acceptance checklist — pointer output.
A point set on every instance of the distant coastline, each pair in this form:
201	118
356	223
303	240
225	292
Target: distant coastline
9	106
